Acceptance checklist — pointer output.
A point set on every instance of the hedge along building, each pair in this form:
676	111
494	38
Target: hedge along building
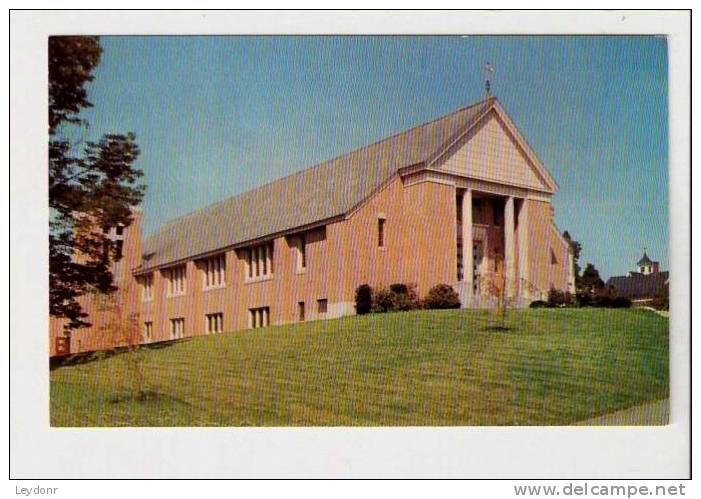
394	211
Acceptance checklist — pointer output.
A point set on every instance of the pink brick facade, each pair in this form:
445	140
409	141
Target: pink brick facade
115	319
489	176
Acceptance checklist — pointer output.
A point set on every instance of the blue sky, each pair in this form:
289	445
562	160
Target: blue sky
216	116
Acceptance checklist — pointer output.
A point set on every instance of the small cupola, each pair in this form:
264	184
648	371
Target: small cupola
645	264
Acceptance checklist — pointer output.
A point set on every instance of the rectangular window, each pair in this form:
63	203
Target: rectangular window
215	323
259	260
148	332
118	246
458	207
498	210
147	287
176	280
381	232
213	270
477	211
301	253
322	305
259	317
300	311
177	328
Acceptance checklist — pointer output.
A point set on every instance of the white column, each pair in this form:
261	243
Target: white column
523	287
467	257
509	256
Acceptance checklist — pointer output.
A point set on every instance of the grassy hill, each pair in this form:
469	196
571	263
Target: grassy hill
552	367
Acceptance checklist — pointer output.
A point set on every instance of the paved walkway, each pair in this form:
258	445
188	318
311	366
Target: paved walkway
649	414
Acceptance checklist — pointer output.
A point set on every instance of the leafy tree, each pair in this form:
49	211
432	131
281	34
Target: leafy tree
123	328
590	281
92	185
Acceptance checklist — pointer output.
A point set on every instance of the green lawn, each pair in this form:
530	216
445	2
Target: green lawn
552	367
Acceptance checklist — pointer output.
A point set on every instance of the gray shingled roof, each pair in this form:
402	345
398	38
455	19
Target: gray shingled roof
325	191
639	286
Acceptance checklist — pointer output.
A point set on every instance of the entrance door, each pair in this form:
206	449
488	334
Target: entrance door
477	255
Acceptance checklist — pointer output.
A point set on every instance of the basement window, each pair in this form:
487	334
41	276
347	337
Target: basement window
177	328
148	331
215	323
258	317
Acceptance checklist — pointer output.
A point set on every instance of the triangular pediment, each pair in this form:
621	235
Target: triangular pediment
493	150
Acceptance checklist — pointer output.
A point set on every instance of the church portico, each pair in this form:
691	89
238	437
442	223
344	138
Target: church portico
491	264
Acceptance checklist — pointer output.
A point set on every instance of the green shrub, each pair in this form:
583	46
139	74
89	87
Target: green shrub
363	299
620	302
442	296
398	297
382	301
603	298
404	297
583	299
557	298
661	301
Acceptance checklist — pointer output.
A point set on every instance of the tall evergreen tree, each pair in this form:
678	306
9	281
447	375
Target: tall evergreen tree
92	185
591	281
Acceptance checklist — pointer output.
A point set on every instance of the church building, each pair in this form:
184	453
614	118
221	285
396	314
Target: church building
461	200
642	285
